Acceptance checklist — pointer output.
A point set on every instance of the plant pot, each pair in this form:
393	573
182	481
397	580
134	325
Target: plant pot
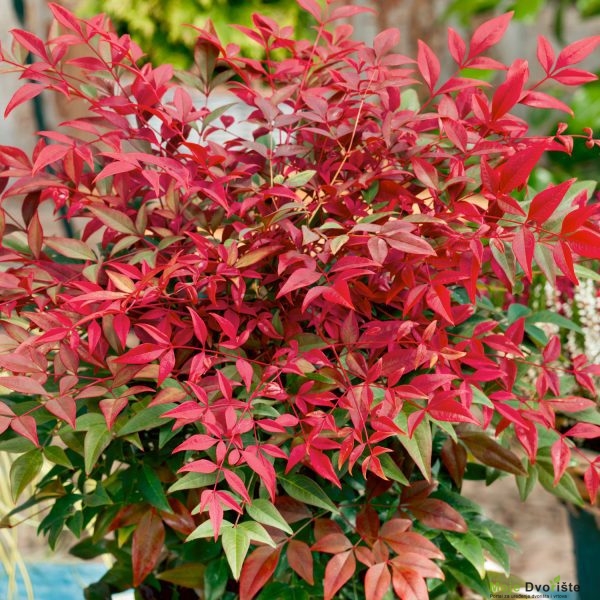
586	542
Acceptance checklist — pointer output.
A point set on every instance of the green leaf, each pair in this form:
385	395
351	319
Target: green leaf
264	512
280	590
216	577
585	273
300	179
188	575
205	530
236	543
547	316
419	446
114	219
58	456
71	248
147	418
464	572
470	547
193	481
306	490
565	488
24	470
152	489
516	311
96	441
391	469
498	552
17	445
526	483
84	422
257	533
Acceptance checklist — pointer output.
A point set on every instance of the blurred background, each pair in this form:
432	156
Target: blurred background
541	525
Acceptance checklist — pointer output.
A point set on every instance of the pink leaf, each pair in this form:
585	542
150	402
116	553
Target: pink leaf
23	385
545	54
428	64
27	92
587	431
385	41
141	355
488	34
456	46
561	454
523	245
301	278
577	51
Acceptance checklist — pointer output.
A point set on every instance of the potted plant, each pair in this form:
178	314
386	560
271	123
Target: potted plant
266	362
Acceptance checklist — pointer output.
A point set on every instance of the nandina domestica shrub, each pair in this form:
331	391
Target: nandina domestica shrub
266	362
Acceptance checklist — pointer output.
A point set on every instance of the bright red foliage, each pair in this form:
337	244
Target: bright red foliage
310	295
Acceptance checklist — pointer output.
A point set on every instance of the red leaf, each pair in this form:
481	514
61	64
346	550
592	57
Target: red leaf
592	482
564	260
31	42
180	520
561	454
337	572
523	245
542	100
385	41
300	559
571	404
148	543
312	7
587	431
456	46
111	408
508	93
412	561
332	543
236	484
200	330
48	155
202	465
408	585
345	12
166	365
516	170
574	76
439	300
26	427
141	355
18	363
27	92
577	51
198	442
23	385
412	542
585	242
377	581
64	17
258	568
488	34
545	54
64	408
544	204
428	64
438	514
301	278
